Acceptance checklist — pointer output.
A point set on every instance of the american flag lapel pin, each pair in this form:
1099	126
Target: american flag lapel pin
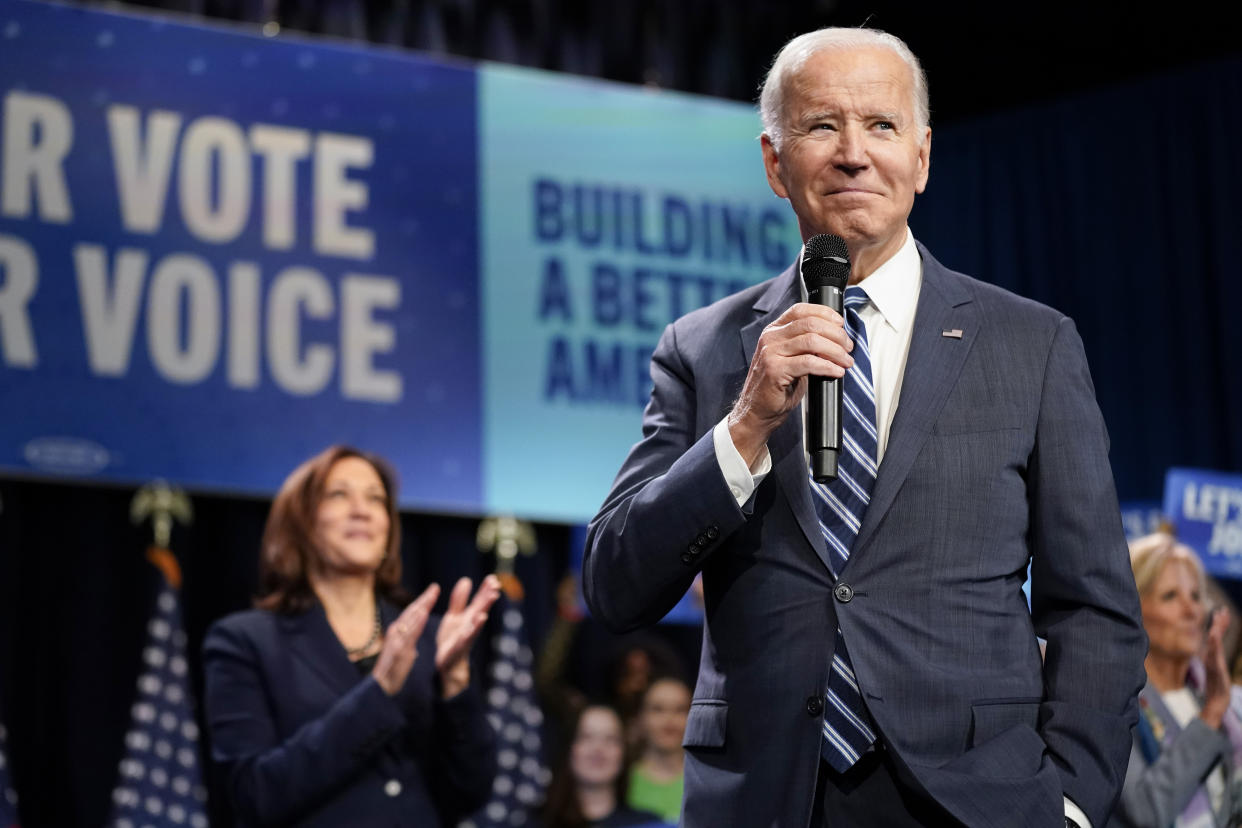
956	333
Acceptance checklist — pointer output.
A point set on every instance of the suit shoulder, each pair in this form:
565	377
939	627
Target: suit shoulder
247	625
1017	304
1015	313
734	305
695	340
701	328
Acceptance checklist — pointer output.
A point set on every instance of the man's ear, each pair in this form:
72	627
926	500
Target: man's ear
772	166
920	183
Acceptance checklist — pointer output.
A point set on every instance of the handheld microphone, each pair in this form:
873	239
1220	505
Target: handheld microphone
826	271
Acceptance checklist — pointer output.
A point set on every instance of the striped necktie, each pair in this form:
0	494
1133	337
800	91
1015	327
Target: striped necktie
841	503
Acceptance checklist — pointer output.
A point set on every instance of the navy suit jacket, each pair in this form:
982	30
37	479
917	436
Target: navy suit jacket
300	738
997	457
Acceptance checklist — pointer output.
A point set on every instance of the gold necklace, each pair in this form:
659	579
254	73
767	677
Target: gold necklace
375	636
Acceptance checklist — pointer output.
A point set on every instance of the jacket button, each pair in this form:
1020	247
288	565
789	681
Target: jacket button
392	787
844	593
701	540
713	532
693	549
686	558
814	705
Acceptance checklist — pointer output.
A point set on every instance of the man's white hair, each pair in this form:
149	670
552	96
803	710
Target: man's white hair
790	60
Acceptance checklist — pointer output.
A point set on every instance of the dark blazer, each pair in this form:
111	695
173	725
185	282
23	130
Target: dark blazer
301	738
997	456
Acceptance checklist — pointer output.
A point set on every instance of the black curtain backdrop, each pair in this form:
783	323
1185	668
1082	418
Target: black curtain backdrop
1121	208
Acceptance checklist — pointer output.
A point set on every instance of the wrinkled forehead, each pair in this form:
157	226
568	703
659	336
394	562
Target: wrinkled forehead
870	75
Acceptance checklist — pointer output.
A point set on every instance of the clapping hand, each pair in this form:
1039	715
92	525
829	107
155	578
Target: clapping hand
461	624
1217	686
399	652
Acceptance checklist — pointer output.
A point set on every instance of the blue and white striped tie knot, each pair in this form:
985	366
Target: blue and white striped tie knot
856	298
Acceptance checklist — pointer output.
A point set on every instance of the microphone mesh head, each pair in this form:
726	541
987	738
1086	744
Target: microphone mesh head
826	261
825	244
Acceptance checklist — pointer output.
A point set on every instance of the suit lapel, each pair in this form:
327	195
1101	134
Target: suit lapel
932	368
789	462
313	642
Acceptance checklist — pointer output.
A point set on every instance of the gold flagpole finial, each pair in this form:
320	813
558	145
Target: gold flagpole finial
507	537
162	504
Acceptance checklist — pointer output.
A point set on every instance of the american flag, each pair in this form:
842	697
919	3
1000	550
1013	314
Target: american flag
515	715
8	797
159	783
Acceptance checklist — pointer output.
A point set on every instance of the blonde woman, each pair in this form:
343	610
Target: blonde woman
1187	751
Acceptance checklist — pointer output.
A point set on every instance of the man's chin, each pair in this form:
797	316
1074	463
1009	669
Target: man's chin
856	226
856	235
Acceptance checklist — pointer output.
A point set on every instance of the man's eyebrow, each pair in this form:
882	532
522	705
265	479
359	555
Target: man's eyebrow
817	115
826	114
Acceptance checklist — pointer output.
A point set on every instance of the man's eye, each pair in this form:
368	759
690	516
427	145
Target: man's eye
885	125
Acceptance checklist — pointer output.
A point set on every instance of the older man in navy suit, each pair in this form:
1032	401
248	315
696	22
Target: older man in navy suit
869	657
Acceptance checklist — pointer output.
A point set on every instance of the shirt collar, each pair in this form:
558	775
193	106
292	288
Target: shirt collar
893	287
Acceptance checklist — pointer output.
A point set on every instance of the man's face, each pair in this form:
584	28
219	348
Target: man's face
851	158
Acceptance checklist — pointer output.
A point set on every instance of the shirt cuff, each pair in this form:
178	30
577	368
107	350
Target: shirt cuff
742	480
1075	813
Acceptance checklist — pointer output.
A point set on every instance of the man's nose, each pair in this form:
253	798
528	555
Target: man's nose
851	154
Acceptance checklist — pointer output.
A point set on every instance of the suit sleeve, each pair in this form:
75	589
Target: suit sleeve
1083	598
669	509
465	751
271	781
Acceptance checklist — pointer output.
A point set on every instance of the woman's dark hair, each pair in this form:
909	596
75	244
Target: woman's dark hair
561	808
658	659
289	547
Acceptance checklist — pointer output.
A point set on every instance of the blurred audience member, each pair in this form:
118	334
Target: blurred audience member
656	779
329	704
560	699
581	660
635	660
588	787
1184	764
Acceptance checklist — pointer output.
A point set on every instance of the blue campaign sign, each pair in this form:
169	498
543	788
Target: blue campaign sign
1205	508
1140	517
220	253
608	212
